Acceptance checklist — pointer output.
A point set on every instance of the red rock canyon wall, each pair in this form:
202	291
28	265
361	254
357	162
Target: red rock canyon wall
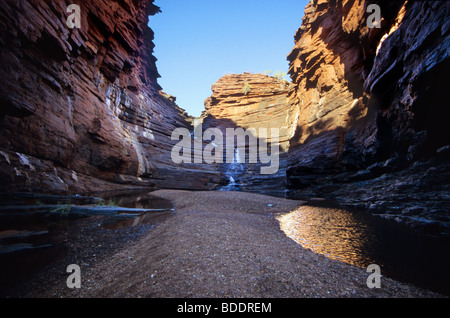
364	120
371	106
81	109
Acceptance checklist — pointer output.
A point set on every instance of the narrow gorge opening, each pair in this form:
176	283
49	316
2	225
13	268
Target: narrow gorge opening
88	116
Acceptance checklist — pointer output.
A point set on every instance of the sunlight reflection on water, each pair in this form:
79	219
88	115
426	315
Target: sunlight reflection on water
331	232
361	239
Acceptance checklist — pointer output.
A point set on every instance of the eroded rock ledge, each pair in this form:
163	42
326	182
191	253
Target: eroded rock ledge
81	108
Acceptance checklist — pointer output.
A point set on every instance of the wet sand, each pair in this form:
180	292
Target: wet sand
218	245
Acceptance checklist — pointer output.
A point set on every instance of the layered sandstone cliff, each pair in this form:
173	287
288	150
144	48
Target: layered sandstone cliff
371	106
252	101
81	109
364	120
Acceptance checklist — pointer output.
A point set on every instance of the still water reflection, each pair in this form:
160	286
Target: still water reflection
31	241
361	239
331	232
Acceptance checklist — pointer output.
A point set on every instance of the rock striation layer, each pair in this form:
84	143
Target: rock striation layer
371	107
80	108
252	101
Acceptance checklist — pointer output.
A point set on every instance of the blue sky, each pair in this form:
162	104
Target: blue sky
199	41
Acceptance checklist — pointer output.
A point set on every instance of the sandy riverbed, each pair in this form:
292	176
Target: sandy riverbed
220	244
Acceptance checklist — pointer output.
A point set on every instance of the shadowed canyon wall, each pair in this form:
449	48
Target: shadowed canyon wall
80	108
371	107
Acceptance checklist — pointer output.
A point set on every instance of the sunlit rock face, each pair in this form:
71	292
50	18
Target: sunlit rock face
81	109
371	103
252	101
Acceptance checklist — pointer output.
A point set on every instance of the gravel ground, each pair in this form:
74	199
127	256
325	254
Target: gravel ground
216	244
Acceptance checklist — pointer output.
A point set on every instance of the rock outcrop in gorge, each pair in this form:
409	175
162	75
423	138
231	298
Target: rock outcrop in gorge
251	101
371	107
81	109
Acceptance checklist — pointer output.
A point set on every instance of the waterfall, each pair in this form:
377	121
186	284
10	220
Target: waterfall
233	171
